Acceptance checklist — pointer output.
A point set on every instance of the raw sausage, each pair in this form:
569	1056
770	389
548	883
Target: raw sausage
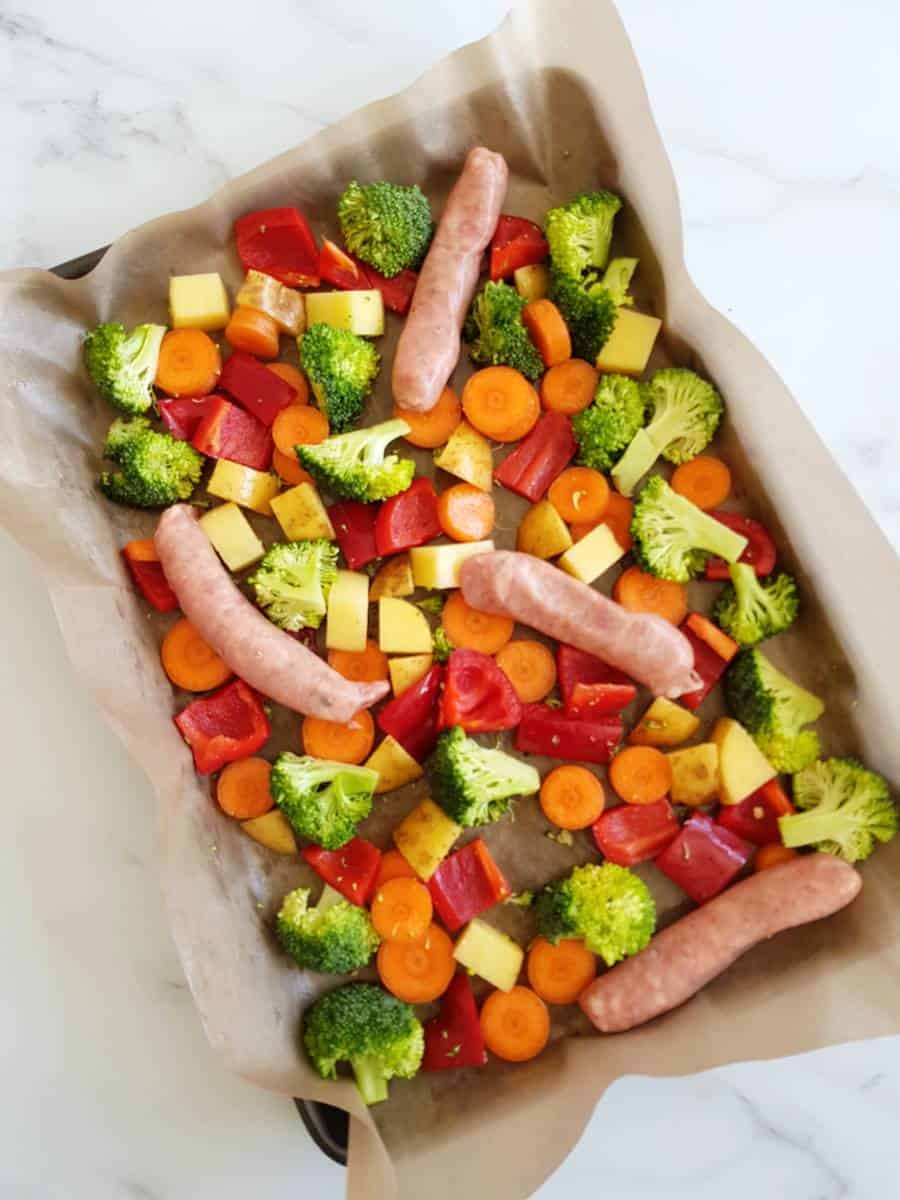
687	955
428	348
263	655
522	587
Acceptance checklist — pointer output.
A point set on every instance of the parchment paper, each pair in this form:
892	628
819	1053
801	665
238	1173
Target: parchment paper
557	91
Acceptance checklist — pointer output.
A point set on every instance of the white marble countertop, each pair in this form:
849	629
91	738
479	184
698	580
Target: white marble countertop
781	122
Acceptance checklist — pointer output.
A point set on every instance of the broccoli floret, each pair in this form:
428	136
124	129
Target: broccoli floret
386	225
617	279
333	938
604	430
673	537
155	468
356	465
442	647
579	233
589	314
323	801
359	1023
846	810
123	364
293	581
473	784
496	334
774	709
341	368
608	906
752	609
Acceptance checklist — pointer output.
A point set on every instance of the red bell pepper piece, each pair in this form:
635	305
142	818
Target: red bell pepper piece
408	519
280	243
146	570
539	458
354	528
257	389
467	882
352	870
575	666
760	550
704	858
182	414
346	271
226	725
708	665
478	695
411	718
600	699
228	432
517	242
397	292
755	819
632	833
453	1038
557	734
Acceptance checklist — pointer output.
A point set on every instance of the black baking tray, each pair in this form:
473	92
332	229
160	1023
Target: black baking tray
327	1126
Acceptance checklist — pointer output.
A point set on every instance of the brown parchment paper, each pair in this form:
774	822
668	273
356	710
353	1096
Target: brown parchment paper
558	92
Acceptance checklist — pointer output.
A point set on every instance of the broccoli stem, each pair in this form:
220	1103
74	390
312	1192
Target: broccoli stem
370	1079
810	828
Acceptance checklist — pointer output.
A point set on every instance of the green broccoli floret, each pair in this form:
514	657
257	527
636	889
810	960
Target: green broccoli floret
605	429
579	233
617	279
774	709
359	1023
846	810
589	314
341	368
673	537
356	465
333	938
323	801
386	225
293	581
608	906
123	364
473	784
155	468
442	647
752	609
496	334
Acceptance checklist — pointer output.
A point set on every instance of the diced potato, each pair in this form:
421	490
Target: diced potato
360	312
742	766
532	283
251	489
436	567
489	953
425	837
301	514
393	578
543	532
664	724
402	628
395	767
409	670
695	775
232	536
593	555
348	612
272	831
268	295
630	343
198	301
468	456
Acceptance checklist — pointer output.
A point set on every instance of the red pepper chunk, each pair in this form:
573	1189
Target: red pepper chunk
600	699
556	734
539	458
759	552
453	1038
574	667
411	718
633	833
478	695
280	243
258	390
708	665
228	432
517	242
227	725
396	292
704	858
408	519
182	415
146	570
755	819
352	870
354	528
343	270
467	883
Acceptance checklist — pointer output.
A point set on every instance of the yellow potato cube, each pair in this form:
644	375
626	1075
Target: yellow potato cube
232	536
664	724
409	670
532	283
468	456
272	831
198	301
742	765
348	612
436	567
425	837
542	532
301	514
251	489
593	555
695	775
395	767
402	628
489	953
630	344
360	312
393	578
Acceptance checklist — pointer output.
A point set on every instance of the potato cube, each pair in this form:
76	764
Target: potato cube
301	514
543	532
425	837
198	301
251	489
593	555
630	343
395	767
664	724
402	628
468	456
393	578
532	283
695	775
489	953
742	765
348	612
272	831
409	670
436	567
232	536
360	312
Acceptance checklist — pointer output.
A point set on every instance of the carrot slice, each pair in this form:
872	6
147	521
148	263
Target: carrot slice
772	856
639	592
189	363
362	666
253	331
715	638
548	331
402	910
572	797
469	629
640	775
294	378
560	973
569	387
347	743
393	866
418	972
431	429
288	469
189	662
579	494
530	668
515	1025
705	481
500	403
466	513
243	789
299	425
